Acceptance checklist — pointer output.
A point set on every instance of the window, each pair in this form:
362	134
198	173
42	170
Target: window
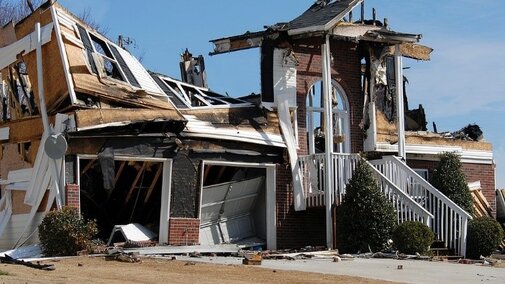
315	119
184	95
104	58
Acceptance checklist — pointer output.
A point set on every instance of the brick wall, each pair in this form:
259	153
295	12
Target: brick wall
296	229
473	172
299	229
72	196
183	231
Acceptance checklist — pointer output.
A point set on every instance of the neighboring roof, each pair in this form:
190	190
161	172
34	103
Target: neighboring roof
322	16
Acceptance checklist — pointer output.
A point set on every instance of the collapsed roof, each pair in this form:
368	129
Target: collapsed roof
328	17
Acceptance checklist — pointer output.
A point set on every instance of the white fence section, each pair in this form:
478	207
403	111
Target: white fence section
450	221
313	171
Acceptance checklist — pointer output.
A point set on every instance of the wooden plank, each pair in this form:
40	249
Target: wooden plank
153	183
95	117
119	171
479	206
26	129
88	166
482	198
134	184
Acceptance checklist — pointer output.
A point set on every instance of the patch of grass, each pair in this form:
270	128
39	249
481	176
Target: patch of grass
3	273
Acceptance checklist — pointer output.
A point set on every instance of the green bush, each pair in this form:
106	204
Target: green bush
365	219
65	233
413	237
449	178
484	236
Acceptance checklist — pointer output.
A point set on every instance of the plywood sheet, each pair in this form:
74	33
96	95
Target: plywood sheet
94	118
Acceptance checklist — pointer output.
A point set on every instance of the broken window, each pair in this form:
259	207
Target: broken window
187	96
105	59
315	119
16	94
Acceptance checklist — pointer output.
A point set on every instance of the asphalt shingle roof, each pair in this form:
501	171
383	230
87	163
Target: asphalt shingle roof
318	15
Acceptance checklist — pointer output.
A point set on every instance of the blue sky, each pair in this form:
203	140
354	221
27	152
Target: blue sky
463	83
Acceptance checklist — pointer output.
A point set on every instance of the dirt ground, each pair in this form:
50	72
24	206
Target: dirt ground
96	270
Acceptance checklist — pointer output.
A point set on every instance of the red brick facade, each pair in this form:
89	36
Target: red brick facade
183	231
72	196
298	229
485	173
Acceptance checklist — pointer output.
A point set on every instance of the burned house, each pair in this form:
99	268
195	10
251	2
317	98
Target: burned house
84	124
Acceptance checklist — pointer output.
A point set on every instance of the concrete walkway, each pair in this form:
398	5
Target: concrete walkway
413	271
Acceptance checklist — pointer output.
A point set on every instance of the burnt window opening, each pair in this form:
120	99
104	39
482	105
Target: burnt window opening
16	94
104	58
101	46
135	198
192	96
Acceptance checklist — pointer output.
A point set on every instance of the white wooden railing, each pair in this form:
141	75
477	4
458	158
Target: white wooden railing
313	171
450	221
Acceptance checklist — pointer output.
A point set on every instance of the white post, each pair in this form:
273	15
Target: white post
399	103
310	122
271	208
43	113
328	134
464	232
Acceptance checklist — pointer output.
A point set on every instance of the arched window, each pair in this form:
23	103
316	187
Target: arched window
315	119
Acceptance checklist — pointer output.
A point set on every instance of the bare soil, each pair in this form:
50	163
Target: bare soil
97	270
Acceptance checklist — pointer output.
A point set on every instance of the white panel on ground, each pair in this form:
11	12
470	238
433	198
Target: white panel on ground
228	211
16	226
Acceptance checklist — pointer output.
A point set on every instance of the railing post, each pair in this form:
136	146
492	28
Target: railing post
464	231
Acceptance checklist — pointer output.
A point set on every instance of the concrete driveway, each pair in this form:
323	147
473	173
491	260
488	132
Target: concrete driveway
413	271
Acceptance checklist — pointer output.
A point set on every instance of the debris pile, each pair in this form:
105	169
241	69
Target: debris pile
471	132
481	206
119	255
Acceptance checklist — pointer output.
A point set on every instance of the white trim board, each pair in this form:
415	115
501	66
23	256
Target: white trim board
27	44
467	156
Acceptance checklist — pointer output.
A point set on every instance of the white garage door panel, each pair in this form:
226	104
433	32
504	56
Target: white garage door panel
227	209
237	229
246	187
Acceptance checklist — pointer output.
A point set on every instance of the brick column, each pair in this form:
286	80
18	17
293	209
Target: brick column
183	231
72	196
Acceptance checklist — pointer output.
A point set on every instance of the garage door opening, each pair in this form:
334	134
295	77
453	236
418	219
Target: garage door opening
234	207
124	192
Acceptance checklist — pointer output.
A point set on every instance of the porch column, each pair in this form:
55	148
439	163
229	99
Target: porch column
328	134
400	113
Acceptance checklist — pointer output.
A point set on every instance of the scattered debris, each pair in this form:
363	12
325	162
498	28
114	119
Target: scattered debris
252	259
481	206
31	251
469	132
37	265
224	249
119	255
133	234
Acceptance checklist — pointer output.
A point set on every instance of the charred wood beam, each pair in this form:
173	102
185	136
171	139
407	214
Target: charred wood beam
153	183
134	184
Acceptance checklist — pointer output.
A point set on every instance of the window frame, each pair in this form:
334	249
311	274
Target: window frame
105	57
